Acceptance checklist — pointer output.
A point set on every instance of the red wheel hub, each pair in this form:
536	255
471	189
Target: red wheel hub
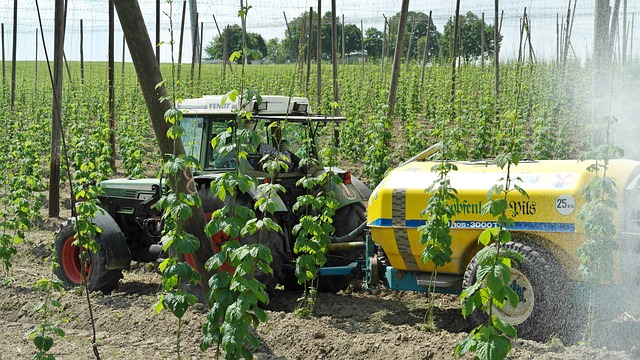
217	240
71	262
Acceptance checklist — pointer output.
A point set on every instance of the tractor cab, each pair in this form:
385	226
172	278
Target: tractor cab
278	127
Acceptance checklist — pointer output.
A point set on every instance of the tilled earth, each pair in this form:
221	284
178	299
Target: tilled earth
355	325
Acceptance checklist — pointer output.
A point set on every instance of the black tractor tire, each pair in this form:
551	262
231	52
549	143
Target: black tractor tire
275	242
271	239
70	260
346	219
537	316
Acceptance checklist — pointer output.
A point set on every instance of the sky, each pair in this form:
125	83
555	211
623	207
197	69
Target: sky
266	18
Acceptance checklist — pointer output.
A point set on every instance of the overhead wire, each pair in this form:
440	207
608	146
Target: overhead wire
266	17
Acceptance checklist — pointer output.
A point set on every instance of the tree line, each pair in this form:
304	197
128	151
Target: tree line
417	30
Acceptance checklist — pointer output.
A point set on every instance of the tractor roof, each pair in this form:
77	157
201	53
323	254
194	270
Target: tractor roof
271	108
270	105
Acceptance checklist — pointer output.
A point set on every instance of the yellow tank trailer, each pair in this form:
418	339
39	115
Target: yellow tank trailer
546	232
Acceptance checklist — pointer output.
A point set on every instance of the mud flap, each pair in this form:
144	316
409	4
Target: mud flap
114	242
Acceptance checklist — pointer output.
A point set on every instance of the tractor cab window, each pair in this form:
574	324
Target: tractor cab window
222	155
192	137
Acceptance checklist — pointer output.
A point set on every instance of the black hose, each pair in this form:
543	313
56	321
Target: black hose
350	237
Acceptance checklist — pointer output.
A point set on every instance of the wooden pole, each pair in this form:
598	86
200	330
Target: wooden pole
294	48
334	60
426	49
397	57
557	39
194	50
521	36
243	20
200	51
81	52
223	39
613	32
158	31
456	44
362	44
181	42
483	43
4	69
566	39
225	49
413	27
112	86
13	55
300	59
342	55
496	53
306	84
384	45
532	53
624	32
334	53
66	65
35	77
319	58
122	77
193	12
56	116
148	71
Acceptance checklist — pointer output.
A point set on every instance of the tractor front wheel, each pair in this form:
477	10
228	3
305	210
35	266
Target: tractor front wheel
75	265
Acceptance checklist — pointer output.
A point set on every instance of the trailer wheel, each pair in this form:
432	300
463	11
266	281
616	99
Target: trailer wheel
346	219
534	317
72	261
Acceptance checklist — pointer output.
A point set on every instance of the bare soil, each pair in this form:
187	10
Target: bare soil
355	325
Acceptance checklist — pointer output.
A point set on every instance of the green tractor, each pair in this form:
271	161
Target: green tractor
132	227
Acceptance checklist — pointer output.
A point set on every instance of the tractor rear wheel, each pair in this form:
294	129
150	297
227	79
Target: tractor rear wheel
74	265
346	219
271	239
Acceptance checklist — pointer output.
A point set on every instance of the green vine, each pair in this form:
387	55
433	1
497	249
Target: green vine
177	208
236	296
313	233
43	334
436	233
491	290
596	254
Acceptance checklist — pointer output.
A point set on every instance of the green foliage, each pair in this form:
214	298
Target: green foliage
236	299
177	207
91	158
596	254
43	334
236	296
471	35
291	41
435	234
373	39
317	208
377	152
233	33
421	28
